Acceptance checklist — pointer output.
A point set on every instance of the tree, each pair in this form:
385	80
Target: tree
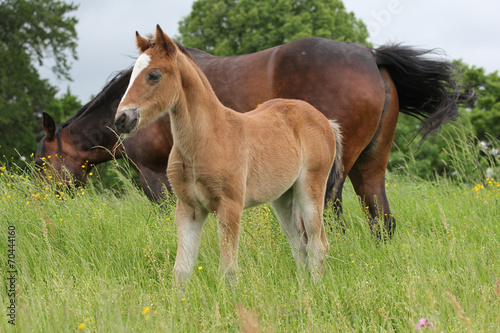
485	113
232	27
31	31
481	118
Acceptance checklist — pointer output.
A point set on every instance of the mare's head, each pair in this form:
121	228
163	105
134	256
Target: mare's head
72	148
155	86
57	149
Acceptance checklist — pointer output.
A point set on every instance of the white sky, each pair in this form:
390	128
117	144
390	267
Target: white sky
464	29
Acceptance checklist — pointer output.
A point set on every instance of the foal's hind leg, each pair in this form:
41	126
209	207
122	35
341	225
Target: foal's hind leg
289	218
308	193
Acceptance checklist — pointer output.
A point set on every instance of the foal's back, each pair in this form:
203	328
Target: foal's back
285	136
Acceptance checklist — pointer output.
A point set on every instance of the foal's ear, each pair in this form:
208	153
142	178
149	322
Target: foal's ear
49	125
142	43
163	41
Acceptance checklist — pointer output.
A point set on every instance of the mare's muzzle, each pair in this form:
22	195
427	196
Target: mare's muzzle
126	121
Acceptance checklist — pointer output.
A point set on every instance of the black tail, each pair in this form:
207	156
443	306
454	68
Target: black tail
427	88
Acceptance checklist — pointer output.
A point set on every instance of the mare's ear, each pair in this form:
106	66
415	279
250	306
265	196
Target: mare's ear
49	125
142	43
163	41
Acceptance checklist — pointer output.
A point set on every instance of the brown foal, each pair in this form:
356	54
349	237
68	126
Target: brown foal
223	161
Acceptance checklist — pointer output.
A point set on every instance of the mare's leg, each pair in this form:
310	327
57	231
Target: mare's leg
291	223
308	193
153	183
368	172
369	184
333	200
229	218
189	222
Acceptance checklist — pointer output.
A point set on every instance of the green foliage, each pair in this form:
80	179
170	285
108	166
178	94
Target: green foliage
19	101
41	29
455	151
231	27
485	113
426	160
478	126
64	107
31	32
91	259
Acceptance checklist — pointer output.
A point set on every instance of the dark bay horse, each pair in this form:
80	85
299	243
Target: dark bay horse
363	88
224	161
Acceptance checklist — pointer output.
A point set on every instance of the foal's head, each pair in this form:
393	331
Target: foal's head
155	86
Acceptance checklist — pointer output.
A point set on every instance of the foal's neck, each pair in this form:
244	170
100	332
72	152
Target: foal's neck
198	111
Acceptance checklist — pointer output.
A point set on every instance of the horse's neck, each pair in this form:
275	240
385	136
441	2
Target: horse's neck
95	129
198	113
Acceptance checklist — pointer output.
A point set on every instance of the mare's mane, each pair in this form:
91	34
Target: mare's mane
110	88
101	97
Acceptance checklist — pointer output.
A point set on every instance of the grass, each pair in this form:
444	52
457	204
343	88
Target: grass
102	261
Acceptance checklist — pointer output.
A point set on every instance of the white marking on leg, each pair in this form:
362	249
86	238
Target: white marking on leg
317	246
288	215
189	244
141	63
189	237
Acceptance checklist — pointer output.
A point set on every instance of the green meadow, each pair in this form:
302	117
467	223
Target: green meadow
101	260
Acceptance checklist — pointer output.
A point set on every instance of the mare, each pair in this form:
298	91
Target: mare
363	88
223	161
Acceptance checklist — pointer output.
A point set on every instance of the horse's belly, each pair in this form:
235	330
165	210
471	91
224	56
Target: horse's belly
268	181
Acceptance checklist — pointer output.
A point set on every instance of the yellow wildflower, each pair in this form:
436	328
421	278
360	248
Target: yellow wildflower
146	310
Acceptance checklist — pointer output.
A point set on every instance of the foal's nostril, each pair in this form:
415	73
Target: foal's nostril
121	120
121	123
127	121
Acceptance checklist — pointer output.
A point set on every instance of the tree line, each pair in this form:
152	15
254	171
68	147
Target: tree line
35	31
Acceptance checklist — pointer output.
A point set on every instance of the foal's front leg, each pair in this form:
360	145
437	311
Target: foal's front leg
229	218
189	222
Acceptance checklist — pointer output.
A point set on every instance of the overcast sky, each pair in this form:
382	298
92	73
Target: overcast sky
464	29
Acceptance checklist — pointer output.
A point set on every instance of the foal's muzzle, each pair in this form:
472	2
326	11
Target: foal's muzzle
126	121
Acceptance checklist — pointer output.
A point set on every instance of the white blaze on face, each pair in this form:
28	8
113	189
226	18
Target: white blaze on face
140	64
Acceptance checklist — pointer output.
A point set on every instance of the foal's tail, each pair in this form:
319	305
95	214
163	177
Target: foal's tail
428	88
337	167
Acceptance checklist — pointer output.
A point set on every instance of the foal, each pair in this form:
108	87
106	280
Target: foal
223	161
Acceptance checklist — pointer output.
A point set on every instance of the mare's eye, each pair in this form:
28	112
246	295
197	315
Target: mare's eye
154	76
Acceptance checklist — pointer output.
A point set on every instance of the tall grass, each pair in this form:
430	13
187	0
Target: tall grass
100	260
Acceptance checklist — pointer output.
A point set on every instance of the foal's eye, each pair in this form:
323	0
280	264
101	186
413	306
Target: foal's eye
154	76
